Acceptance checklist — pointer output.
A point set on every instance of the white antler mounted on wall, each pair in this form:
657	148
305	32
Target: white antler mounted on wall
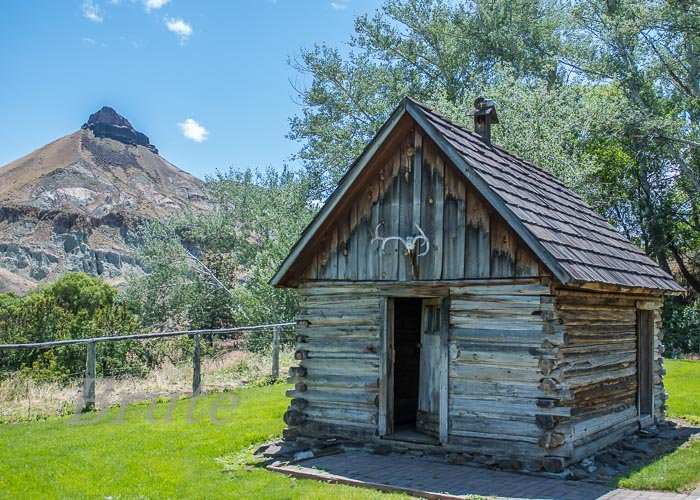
409	242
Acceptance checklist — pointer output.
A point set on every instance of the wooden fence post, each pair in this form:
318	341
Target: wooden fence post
197	366
90	375
275	353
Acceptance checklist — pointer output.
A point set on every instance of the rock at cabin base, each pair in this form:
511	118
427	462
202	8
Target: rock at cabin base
303	455
579	473
457	458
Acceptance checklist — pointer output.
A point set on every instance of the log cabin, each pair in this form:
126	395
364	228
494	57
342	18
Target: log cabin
457	298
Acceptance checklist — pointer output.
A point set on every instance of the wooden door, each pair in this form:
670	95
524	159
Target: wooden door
431	368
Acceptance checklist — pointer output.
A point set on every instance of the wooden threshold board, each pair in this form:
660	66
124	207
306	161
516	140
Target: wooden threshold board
411	435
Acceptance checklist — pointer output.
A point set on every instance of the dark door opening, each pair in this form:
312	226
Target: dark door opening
407	334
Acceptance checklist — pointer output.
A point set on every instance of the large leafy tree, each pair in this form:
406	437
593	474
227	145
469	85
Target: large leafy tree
212	269
650	50
438	51
603	93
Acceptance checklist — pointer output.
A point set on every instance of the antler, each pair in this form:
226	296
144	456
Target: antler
409	242
384	240
423	237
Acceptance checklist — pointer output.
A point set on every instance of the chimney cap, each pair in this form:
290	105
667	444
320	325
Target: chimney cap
484	107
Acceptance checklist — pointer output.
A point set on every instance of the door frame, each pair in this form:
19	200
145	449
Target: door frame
385	422
645	365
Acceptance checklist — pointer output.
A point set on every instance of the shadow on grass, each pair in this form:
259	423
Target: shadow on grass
669	461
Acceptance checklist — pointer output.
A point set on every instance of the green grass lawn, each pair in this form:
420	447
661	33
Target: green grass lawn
202	448
683	386
680	470
144	452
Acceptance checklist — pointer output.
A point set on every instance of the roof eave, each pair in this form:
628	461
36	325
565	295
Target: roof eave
672	288
281	278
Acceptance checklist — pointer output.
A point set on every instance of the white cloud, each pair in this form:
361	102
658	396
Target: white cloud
179	27
193	130
340	5
92	11
155	4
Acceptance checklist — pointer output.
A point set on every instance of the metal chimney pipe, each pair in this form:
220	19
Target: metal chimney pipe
484	114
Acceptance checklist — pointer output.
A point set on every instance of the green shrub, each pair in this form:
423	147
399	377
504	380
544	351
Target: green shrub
74	306
681	326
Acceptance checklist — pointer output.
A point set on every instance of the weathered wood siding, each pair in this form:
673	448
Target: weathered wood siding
418	186
537	374
593	371
337	381
499	333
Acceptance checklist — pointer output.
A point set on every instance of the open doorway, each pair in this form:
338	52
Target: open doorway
416	370
407	328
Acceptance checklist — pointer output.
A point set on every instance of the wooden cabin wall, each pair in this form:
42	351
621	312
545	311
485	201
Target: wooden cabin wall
593	371
417	185
337	380
536	374
499	335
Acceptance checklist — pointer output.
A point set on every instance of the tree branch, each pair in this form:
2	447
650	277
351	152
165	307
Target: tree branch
689	277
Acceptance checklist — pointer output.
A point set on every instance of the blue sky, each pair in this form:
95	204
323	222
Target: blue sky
221	64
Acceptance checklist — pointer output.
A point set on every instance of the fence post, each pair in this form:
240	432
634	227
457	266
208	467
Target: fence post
197	366
90	375
275	353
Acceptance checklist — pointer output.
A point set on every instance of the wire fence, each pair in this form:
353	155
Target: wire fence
120	369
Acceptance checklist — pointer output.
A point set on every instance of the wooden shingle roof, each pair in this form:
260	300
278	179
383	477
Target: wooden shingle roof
582	242
569	237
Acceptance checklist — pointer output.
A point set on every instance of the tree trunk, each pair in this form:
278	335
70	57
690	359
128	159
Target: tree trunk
689	277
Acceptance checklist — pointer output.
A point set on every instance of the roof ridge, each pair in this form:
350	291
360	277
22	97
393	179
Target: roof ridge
474	135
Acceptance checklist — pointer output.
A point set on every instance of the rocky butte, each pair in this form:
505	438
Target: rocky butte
109	124
72	204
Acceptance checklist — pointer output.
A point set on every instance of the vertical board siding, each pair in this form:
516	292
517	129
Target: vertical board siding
502	249
343	250
404	209
431	213
352	269
389	260
416	185
454	233
478	241
525	262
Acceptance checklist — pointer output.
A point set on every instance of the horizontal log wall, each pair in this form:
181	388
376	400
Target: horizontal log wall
594	370
499	334
338	348
536	374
